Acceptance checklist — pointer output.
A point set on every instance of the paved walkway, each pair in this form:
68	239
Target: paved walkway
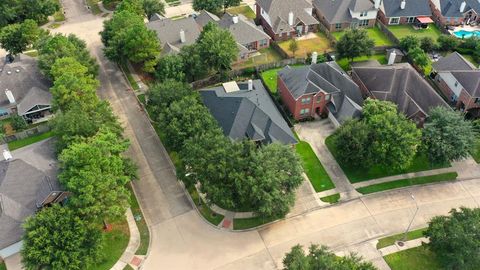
133	243
406	245
315	133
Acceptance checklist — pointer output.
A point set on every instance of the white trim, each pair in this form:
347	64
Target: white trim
390	20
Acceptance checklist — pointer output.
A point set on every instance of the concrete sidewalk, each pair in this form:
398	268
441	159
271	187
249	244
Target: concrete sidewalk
406	245
128	255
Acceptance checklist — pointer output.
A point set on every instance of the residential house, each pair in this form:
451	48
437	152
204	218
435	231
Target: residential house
456	12
320	89
174	34
400	84
27	183
285	19
249	37
25	89
339	15
245	110
459	81
393	12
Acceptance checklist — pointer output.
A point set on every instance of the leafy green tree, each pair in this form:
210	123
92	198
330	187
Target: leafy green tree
447	42
217	48
394	138
37	10
120	21
352	141
355	42
72	85
170	67
293	46
133	6
51	48
427	44
409	42
161	96
194	67
15	38
320	258
56	238
93	170
209	5
18	123
419	57
447	136
150	7
455	239
8	12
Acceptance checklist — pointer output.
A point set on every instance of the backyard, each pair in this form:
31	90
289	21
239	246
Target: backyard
270	78
355	175
344	63
374	33
244	10
419	258
318	43
265	56
29	140
401	31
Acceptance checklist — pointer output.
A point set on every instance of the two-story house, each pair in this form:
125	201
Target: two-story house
339	15
393	12
285	19
456	12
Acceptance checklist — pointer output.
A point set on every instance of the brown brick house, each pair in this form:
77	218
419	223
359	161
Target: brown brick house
394	12
285	19
459	81
319	89
339	15
455	12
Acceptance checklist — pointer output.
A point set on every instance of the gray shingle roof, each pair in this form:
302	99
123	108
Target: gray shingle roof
339	11
244	31
168	32
453	61
451	8
278	11
402	85
248	114
470	80
413	8
24	80
205	17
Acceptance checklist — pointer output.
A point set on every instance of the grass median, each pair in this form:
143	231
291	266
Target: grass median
248	223
331	199
390	240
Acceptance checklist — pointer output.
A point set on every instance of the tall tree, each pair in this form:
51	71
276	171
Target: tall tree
447	42
455	239
447	136
409	42
217	48
56	238
15	38
293	46
152	7
133	6
355	42
427	44
94	172
37	10
192	63
170	67
161	96
419	57
209	5
352	141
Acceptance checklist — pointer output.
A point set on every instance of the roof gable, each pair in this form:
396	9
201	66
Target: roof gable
413	8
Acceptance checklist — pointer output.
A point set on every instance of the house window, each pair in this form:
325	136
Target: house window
306	100
363	14
328	98
364	23
410	19
304	111
454	98
263	42
338	26
395	20
319	99
456	83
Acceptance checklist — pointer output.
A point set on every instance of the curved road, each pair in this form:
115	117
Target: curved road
180	239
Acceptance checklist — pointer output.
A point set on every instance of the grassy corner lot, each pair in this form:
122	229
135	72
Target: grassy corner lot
245	10
248	223
374	33
206	212
314	169
331	199
408	182
400	31
390	240
13	145
419	258
355	175
319	44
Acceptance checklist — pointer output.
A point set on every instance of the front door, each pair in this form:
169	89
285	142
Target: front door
299	30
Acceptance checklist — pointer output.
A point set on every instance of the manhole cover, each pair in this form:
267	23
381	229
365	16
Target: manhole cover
400	243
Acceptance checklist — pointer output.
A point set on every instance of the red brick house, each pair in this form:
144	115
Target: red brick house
319	89
285	19
459	81
340	15
455	12
394	12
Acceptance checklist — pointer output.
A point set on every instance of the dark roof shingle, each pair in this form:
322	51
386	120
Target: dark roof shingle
413	8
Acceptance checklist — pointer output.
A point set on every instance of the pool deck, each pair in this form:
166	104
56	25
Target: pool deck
467	28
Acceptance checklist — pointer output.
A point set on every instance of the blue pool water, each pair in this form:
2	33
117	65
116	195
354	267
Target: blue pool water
466	34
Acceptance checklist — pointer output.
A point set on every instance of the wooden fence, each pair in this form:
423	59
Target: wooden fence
27	133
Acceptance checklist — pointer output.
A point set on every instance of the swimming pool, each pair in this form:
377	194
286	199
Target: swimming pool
466	34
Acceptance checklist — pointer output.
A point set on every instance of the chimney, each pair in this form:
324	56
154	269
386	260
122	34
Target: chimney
10	96
402	4
314	57
290	18
391	58
182	36
7	155
250	85
377	4
462	6
235	19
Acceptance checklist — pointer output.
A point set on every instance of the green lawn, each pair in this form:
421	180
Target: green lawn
420	163
408	182
128	267
2	266
132	82
115	243
141	224
27	141
142	99
247	223
93	4
419	258
320	44
270	79
390	240
206	212
469	57
244	10
59	16
344	63
401	31
313	167
476	150
267	55
331	199
374	33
